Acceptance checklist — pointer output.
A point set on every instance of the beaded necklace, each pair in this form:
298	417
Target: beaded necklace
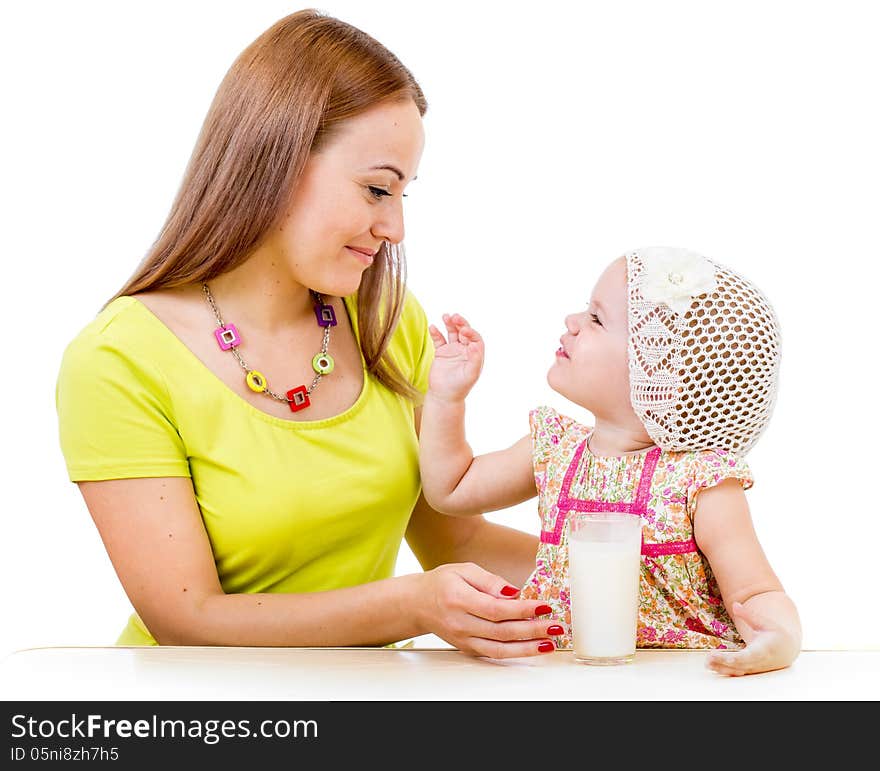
322	362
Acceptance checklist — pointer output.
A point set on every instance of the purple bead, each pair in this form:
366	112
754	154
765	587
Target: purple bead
326	315
227	336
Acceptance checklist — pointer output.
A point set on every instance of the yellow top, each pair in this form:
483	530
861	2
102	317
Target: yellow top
288	506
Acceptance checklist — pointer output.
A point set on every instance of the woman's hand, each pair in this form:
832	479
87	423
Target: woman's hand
769	645
474	610
458	361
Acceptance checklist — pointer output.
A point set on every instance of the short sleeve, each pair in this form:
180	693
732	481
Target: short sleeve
114	416
411	348
710	467
546	428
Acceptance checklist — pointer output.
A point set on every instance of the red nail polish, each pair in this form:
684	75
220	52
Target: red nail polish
509	591
555	630
546	647
543	610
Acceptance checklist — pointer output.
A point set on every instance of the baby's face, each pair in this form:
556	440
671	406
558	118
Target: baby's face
591	367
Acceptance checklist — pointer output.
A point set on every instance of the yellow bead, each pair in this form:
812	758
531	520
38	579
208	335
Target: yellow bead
256	381
323	363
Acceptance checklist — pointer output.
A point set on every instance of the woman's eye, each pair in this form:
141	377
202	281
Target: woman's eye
381	192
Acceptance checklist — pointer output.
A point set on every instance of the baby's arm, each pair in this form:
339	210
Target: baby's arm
453	481
764	614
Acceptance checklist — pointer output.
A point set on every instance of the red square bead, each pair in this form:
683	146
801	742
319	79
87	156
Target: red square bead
298	398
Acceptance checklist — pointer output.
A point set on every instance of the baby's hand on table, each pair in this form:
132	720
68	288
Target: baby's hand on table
768	646
458	361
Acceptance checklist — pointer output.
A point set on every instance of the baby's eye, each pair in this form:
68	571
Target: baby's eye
595	319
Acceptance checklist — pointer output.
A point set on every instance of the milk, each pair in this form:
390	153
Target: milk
604	576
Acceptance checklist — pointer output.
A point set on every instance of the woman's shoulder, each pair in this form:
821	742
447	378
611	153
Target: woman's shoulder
413	319
118	320
123	329
409	340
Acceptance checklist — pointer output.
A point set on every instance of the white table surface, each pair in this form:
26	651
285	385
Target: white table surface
419	674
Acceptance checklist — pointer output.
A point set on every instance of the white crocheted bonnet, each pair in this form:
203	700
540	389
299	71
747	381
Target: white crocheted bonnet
704	347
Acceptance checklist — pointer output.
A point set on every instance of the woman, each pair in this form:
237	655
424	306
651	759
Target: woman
242	417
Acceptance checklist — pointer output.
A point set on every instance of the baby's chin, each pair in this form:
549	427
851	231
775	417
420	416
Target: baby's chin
581	400
558	387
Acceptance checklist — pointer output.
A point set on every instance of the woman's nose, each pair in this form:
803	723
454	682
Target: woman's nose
389	226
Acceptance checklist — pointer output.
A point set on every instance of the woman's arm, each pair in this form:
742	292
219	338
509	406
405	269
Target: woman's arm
153	532
764	614
436	539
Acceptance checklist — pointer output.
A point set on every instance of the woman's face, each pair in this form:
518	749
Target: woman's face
591	367
350	198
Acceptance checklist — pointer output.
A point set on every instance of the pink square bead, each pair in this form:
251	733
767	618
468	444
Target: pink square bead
227	336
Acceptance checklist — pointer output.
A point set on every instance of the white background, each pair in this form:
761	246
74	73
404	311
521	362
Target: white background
558	136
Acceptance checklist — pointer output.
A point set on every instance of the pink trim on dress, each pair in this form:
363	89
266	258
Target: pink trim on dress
668	547
638	507
566	503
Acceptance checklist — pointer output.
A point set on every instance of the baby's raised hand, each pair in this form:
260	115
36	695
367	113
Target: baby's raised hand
457	361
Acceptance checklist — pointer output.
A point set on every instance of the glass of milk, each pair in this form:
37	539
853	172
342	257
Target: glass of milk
604	552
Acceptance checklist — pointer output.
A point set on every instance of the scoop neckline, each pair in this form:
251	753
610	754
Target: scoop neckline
296	425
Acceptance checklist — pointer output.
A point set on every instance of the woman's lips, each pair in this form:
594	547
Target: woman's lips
365	257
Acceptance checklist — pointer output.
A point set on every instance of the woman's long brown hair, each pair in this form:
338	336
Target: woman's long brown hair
282	99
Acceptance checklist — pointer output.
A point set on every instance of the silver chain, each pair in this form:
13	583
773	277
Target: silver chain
234	350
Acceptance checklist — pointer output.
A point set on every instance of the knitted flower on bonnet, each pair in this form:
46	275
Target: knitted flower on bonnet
704	349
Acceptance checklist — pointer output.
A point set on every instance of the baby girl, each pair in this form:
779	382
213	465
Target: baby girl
677	359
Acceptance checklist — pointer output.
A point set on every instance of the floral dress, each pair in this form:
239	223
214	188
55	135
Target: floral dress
680	604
